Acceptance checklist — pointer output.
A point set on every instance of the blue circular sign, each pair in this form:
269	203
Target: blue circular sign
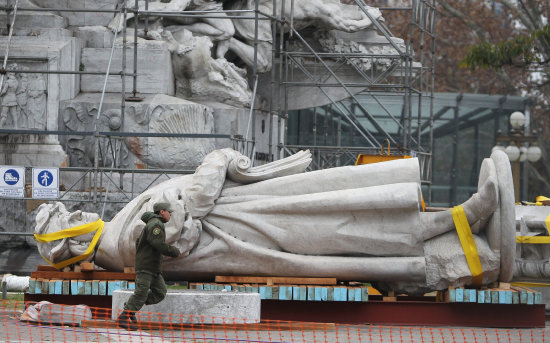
45	178
11	177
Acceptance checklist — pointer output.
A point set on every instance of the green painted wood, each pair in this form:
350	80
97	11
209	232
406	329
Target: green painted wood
88	287
515	297
81	287
285	292
74	287
330	293
364	294
95	287
480	297
310	293
102	287
51	287
340	294
32	286
58	287
38	287
66	287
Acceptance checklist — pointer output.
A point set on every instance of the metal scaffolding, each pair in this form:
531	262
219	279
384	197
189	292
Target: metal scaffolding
409	74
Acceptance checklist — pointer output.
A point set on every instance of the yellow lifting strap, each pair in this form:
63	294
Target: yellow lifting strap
529	284
468	244
96	226
536	239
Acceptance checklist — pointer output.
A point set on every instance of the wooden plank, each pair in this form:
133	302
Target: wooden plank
32	285
102	287
88	287
51	287
364	294
459	295
74	287
81	287
275	326
330	293
87	266
480	296
46	267
276	280
45	286
95	287
340	294
93	275
66	287
129	270
38	286
285	292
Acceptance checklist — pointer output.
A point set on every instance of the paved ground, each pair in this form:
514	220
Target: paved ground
16	331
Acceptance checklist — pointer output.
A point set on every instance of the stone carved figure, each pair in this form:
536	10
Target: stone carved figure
8	113
352	223
36	102
190	40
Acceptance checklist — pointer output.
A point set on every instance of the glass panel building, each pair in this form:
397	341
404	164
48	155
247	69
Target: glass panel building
463	132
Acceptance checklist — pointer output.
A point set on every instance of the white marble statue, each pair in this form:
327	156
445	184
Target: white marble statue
353	223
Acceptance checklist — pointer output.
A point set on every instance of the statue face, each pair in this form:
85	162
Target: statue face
55	217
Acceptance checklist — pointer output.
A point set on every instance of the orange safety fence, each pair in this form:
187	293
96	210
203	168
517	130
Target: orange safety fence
64	323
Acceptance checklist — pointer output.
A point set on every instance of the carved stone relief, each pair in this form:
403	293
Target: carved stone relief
24	97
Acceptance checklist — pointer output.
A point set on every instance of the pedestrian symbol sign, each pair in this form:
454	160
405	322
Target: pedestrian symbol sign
45	183
12	182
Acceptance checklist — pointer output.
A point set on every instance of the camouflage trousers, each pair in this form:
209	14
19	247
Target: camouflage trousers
150	289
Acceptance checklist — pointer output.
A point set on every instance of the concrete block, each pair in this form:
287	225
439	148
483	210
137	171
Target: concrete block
95	36
64	314
196	306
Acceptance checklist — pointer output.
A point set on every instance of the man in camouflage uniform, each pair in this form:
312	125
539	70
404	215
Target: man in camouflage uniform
150	246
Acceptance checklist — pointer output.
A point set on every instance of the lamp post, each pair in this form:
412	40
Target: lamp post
520	147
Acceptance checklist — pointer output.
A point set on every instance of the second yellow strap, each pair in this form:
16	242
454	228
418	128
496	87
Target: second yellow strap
468	244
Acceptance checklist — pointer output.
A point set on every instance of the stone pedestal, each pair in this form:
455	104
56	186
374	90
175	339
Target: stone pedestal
154	65
196	306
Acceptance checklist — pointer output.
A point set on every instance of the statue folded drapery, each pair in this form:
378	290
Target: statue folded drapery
361	223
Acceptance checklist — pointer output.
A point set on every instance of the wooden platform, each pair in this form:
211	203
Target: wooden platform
270	326
87	281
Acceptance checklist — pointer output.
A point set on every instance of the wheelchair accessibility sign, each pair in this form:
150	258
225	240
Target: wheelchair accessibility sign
12	182
45	183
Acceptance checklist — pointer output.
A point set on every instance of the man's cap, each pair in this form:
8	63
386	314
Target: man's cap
162	206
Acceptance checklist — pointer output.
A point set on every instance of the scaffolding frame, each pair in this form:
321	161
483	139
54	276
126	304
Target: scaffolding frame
410	81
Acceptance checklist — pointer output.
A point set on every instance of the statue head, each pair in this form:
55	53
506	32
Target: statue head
56	217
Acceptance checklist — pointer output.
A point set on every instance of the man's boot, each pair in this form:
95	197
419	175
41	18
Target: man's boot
123	321
131	314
